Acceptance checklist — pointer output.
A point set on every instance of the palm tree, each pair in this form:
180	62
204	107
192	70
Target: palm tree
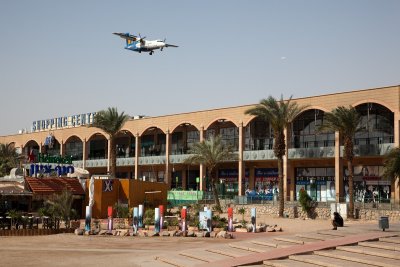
211	153
8	158
111	122
61	206
279	114
346	121
392	164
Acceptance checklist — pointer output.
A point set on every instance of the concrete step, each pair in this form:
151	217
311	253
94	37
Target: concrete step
151	263
275	243
325	261
332	233
288	263
314	236
203	255
179	261
395	239
371	251
296	240
359	258
229	251
380	244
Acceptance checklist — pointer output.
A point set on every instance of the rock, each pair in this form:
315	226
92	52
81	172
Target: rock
241	230
153	233
78	231
123	232
199	234
172	233
114	232
270	229
178	233
190	234
222	234
142	234
213	234
165	233
206	234
103	232
87	233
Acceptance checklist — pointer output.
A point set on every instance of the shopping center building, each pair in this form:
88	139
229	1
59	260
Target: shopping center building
154	148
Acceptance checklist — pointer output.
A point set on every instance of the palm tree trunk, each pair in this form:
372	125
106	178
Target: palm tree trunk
215	192
351	194
113	159
281	193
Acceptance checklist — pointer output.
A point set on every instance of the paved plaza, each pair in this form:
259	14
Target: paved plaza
262	249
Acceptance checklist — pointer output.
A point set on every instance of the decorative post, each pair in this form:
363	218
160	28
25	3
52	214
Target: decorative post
88	218
183	218
161	209
110	219
135	219
230	219
157	220
253	219
140	217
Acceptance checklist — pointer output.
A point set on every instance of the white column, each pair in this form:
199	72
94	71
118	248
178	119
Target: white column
202	168
137	152
241	162
338	170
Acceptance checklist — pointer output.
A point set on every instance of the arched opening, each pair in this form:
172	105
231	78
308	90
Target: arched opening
258	135
31	150
227	130
98	147
183	138
305	131
125	144
74	148
377	124
153	142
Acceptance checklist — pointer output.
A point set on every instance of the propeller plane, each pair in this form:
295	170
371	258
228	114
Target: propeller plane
139	44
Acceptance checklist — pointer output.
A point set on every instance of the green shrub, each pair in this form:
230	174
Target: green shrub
305	201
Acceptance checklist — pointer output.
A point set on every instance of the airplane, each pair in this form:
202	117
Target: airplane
139	44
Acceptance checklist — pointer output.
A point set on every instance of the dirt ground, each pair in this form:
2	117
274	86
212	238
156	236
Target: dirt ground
72	250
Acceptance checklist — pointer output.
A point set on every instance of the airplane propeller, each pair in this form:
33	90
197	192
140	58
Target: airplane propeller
141	39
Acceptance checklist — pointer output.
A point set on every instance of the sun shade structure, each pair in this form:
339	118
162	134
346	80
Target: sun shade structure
48	186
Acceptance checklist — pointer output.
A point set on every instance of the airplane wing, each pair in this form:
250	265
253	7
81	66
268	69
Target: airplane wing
126	36
170	45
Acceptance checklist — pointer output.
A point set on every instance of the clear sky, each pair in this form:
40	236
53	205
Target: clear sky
59	58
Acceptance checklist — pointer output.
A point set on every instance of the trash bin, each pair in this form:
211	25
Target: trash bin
384	222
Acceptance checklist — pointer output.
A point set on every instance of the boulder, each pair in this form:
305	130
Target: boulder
165	233
270	229
190	234
103	232
153	233
78	231
222	234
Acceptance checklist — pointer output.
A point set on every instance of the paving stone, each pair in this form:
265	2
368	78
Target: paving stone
395	239
179	260
314	236
229	251
381	245
203	255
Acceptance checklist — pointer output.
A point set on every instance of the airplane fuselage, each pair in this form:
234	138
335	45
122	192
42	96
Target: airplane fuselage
145	46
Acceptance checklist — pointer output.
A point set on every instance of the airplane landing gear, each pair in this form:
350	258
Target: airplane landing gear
151	53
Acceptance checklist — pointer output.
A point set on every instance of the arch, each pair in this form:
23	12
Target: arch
31	140
370	100
127	130
72	136
150	127
183	122
226	119
96	133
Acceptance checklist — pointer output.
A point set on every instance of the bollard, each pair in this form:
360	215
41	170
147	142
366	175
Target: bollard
161	209
384	222
135	219
140	216
110	219
157	220
209	220
230	219
88	218
183	218
253	219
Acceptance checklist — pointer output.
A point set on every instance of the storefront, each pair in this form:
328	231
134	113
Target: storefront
318	182
369	184
266	180
229	180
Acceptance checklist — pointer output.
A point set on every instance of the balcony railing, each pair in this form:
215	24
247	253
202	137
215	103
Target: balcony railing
370	149
152	160
312	152
258	155
175	159
93	163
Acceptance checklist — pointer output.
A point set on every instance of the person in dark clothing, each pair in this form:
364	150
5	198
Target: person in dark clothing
337	221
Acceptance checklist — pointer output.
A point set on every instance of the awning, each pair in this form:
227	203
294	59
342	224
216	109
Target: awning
12	188
48	186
